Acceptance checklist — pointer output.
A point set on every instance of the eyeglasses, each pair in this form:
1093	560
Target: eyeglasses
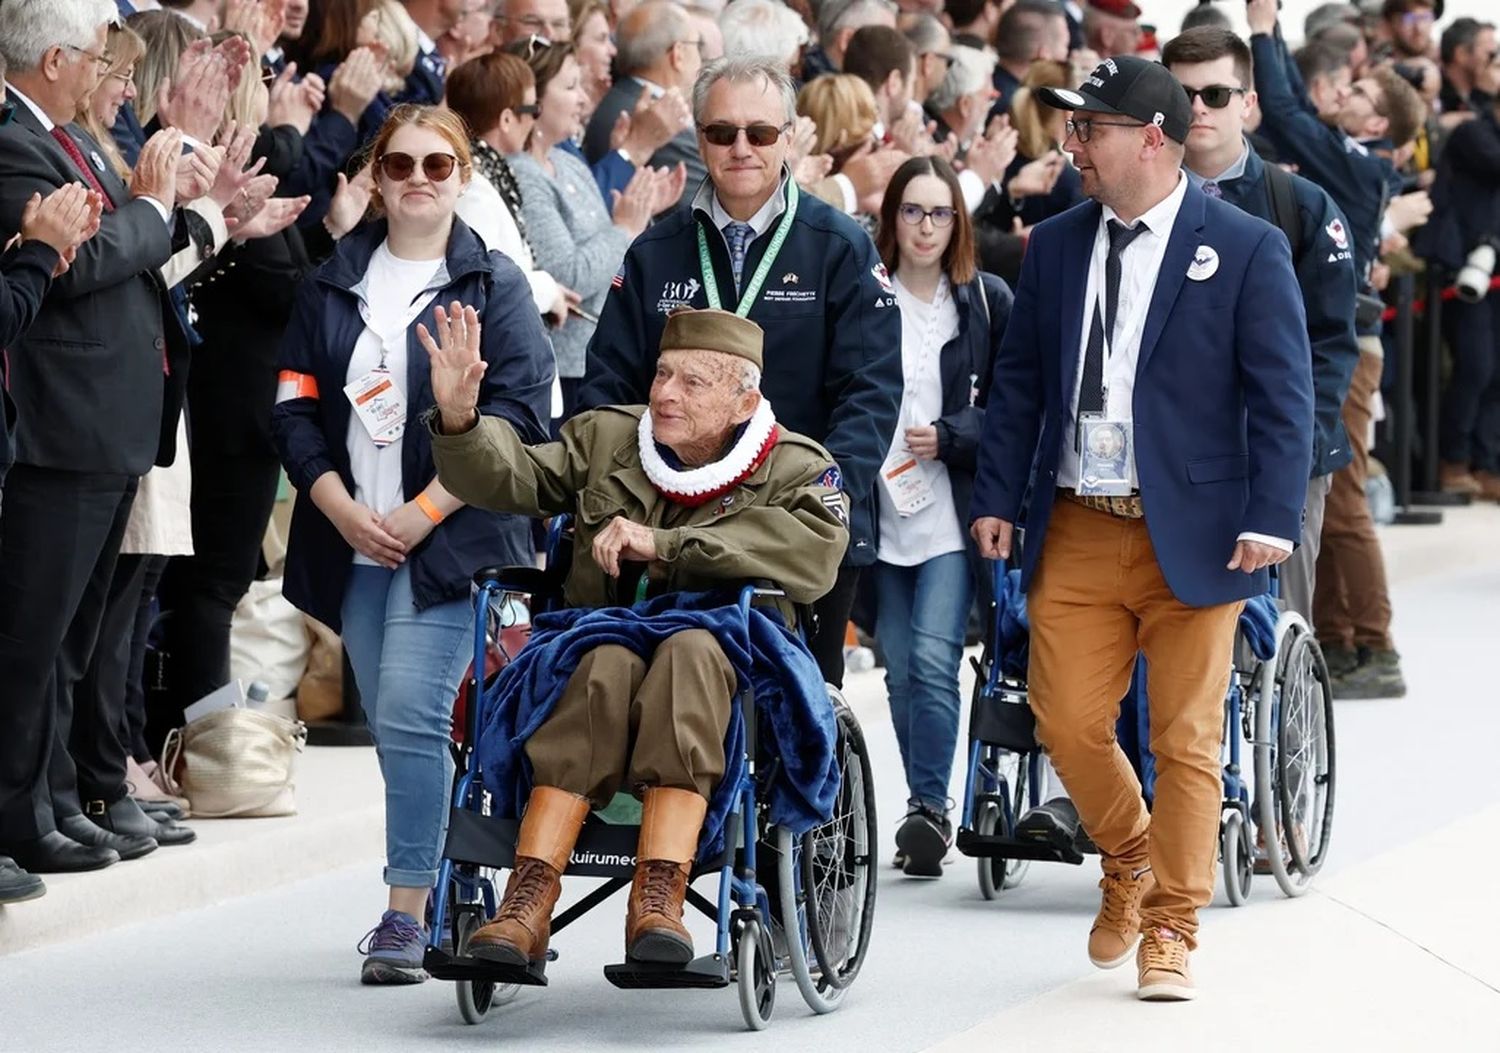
531	109
101	60
398	167
125	76
1418	18
561	27
947	58
1083	130
915	214
699	43
535	43
720	134
1215	96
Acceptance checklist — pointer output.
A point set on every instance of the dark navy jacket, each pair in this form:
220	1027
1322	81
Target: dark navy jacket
25	277
1223	402
965	366
1466	195
1359	182
832	336
1325	272
311	432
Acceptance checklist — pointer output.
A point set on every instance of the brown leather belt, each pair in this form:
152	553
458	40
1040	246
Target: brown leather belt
1121	507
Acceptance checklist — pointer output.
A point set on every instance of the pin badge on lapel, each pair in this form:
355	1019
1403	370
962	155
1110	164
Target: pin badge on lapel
98	161
724	503
1205	264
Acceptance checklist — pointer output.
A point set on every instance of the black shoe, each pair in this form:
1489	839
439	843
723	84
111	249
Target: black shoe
16	885
86	833
125	817
57	853
924	838
161	810
1054	823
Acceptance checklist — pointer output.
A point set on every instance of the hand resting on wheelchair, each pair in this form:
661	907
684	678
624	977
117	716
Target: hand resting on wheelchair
698	490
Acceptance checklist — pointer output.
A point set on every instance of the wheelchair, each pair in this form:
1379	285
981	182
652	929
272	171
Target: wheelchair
798	906
1279	820
1280	702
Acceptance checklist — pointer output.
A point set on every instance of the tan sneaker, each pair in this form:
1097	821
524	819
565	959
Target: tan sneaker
1118	924
1162	961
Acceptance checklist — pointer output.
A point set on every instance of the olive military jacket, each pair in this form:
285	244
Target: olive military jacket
787	521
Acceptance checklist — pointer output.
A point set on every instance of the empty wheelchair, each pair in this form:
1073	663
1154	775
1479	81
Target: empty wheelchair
785	905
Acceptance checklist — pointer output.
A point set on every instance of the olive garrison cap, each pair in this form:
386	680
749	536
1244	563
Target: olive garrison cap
713	330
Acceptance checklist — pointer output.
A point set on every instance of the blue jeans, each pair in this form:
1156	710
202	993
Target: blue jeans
920	616
407	664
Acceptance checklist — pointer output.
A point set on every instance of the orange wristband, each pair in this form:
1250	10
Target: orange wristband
429	509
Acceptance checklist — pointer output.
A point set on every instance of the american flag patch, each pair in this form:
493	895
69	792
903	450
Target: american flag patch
618	281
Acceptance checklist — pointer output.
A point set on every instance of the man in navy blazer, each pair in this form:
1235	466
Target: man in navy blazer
1153	397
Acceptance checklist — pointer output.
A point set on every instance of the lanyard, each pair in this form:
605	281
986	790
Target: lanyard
747	299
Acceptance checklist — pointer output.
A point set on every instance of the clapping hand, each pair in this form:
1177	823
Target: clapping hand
155	174
457	367
351	200
275	216
197	172
234	178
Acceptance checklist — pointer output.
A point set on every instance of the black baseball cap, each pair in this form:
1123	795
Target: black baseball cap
1128	86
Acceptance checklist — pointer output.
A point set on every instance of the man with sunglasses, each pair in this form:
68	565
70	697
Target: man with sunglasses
1214	66
1153	394
807	274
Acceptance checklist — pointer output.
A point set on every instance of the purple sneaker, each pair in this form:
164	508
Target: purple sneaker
393	951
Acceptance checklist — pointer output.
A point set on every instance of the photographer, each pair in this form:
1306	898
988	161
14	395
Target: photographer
1462	240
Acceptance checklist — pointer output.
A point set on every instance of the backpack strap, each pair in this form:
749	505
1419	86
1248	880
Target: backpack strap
1284	205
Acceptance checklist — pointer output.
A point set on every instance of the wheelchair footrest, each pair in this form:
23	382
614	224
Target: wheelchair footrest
996	847
441	965
710	971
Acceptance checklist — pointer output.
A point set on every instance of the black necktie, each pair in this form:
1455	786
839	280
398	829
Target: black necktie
1091	391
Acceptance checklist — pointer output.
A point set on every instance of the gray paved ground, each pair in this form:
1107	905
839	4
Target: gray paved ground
278	971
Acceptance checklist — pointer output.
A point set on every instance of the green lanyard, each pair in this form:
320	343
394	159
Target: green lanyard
747	300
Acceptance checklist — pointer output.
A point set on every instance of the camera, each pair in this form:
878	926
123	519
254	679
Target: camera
1473	282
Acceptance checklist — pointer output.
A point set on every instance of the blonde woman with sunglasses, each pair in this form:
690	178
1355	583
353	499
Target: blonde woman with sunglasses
379	550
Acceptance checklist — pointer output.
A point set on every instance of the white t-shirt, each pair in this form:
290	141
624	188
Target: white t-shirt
394	295
934	530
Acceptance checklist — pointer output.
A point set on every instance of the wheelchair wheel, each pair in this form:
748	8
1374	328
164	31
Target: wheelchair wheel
1294	758
987	821
1238	857
996	875
756	966
475	997
826	884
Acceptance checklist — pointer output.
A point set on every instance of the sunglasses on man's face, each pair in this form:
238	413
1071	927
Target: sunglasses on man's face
398	167
720	134
1215	96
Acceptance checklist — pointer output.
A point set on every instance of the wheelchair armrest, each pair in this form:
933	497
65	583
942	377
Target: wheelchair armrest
528	580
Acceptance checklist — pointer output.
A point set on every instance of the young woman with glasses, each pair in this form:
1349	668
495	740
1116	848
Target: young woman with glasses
378	550
952	319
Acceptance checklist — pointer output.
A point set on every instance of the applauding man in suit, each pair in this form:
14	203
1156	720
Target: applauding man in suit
97	382
1156	374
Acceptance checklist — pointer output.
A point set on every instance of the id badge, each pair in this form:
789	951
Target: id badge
905	481
379	405
1104	456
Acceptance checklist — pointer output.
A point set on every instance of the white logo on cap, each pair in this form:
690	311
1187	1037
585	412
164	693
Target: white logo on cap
1109	64
1158	118
1072	98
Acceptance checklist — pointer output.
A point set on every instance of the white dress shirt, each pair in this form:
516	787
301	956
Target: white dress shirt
1140	265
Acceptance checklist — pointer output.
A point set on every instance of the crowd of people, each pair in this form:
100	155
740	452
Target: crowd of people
240	231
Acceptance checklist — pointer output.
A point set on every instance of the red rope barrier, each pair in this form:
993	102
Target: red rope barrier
1419	307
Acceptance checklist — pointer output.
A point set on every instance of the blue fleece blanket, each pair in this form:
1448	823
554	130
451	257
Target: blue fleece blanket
781	673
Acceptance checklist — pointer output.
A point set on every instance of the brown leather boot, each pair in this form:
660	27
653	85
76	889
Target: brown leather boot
670	823
1489	486
522	926
1457	479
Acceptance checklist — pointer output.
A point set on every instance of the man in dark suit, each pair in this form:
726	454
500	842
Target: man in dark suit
98	384
1157	375
659	50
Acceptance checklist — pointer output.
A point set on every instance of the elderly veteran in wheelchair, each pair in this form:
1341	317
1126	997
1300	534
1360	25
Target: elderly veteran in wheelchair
699	490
